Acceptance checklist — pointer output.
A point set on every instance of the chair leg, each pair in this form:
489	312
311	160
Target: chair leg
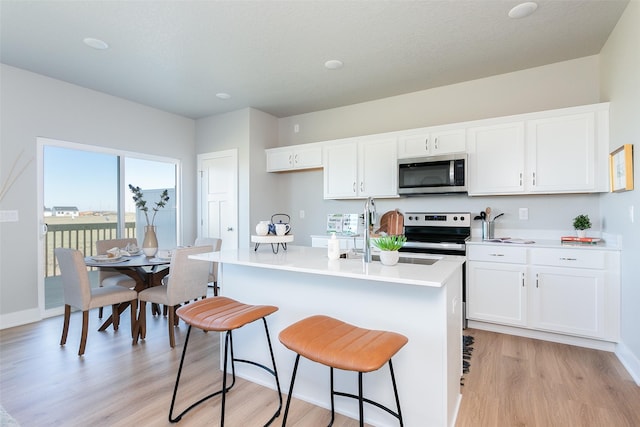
85	329
100	313
115	315
171	325
360	401
134	321
333	409
142	319
65	324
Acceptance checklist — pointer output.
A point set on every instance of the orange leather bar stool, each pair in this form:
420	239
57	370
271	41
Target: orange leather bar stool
223	314
339	345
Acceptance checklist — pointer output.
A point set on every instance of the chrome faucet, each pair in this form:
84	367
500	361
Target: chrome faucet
369	220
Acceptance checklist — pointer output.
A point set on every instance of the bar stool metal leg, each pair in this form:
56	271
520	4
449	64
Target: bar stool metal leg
228	348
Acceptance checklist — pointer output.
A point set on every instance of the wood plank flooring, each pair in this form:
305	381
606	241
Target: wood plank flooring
512	382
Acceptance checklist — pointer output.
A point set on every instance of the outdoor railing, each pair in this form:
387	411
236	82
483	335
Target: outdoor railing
79	236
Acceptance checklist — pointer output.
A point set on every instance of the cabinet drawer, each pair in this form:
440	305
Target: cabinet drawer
497	253
569	258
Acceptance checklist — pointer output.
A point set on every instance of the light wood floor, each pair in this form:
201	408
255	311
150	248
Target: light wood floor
513	382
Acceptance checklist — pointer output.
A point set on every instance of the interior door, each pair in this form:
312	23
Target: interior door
218	201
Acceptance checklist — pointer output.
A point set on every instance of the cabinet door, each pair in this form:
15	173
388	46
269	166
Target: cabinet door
447	142
341	169
568	300
307	157
496	159
279	159
414	145
561	154
378	167
496	293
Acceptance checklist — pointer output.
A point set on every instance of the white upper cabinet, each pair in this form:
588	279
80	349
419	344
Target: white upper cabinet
558	151
496	159
306	156
431	142
361	167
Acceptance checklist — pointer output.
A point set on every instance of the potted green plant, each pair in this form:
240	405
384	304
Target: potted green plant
389	246
581	223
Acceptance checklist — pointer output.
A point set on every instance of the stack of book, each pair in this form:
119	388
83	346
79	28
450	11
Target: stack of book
581	240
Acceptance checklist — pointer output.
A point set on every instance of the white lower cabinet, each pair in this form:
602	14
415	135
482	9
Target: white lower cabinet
498	293
568	300
496	289
569	291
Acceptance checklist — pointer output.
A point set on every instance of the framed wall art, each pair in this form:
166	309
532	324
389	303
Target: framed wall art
621	168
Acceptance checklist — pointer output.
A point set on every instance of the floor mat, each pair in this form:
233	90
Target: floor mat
467	349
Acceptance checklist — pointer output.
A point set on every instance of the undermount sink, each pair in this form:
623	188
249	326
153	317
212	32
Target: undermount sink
408	260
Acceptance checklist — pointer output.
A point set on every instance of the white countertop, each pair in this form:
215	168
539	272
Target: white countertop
607	244
314	261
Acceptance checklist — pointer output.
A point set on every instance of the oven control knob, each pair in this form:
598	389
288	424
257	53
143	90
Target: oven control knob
455	218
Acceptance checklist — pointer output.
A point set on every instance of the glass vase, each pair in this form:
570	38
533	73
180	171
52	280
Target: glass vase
150	242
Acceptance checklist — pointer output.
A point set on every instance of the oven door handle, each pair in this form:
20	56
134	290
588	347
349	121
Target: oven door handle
424	245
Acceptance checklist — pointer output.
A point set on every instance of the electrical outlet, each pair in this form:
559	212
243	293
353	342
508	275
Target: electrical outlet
296	128
631	214
301	214
524	213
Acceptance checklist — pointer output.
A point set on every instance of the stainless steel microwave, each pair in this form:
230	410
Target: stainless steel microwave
436	174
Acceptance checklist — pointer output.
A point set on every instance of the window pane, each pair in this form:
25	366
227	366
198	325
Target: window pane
152	177
80	191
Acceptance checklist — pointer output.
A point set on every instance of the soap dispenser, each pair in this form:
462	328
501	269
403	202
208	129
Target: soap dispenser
333	247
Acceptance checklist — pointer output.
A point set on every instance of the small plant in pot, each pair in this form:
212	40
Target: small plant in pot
581	223
389	246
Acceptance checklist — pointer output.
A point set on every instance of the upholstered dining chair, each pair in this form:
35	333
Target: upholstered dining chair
216	243
187	281
79	294
110	277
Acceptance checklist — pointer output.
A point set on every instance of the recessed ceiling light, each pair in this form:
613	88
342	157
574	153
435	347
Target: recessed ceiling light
96	43
523	10
333	64
223	95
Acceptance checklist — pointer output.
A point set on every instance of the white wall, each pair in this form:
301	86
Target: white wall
250	131
32	105
564	84
620	59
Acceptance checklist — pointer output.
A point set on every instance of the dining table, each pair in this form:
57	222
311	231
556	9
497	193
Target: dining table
146	271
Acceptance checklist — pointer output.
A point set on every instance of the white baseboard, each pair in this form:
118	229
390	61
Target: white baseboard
629	360
545	336
19	318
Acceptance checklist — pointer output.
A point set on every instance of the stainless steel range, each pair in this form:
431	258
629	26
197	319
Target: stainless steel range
439	233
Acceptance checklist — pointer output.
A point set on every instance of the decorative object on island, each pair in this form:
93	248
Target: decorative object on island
150	242
581	223
389	246
621	168
262	229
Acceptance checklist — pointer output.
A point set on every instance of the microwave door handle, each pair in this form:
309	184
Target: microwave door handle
452	172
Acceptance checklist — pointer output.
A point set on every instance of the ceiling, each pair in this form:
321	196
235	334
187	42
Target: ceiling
177	55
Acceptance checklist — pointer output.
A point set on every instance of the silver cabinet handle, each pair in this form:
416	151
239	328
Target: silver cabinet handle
290	159
522	277
533	177
537	281
520	178
361	185
435	144
568	259
229	228
496	254
295	159
354	186
426	144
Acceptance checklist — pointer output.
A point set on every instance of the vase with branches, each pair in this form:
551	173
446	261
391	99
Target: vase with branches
150	243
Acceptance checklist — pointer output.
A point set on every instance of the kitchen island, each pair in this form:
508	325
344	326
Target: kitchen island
423	302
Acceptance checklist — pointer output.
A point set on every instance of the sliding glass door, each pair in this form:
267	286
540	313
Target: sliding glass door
85	197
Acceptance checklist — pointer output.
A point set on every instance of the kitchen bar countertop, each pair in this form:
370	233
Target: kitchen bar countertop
314	260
